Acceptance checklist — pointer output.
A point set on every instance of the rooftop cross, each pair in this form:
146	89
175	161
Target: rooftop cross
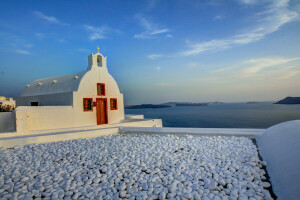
98	48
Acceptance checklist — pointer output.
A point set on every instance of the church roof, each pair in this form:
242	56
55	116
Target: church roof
59	84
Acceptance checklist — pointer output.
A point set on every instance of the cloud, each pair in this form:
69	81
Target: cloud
154	56
247	1
268	22
23	52
83	50
99	32
96	33
28	45
62	40
157	68
151	30
219	70
261	68
257	65
150	4
289	74
164	84
40	36
193	65
218	17
50	19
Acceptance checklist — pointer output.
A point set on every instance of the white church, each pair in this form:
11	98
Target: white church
93	95
89	98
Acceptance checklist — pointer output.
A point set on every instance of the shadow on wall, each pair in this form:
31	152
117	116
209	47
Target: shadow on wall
7	121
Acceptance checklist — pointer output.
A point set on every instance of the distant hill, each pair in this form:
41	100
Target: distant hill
146	106
184	104
252	102
169	104
289	100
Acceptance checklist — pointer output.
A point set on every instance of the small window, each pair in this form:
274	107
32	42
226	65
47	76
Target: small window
87	104
113	104
101	89
34	103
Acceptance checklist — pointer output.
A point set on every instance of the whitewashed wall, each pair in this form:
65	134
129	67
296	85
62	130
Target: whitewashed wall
88	89
7	121
30	118
51	117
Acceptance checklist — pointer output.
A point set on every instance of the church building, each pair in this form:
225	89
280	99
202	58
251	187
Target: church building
91	97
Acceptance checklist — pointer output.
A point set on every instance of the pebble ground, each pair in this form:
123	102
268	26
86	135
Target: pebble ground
135	167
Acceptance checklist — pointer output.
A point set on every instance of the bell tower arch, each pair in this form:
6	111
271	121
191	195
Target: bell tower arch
97	60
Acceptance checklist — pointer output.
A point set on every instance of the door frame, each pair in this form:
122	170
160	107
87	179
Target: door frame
106	114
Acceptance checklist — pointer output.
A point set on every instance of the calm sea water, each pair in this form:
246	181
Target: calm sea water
228	115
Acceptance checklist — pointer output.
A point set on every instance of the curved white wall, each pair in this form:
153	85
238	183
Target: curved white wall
88	89
279	146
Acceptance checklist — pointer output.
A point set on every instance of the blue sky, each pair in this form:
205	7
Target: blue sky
158	51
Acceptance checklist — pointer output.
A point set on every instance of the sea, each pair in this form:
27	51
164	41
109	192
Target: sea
227	115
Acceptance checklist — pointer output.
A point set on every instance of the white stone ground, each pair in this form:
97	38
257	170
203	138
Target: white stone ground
135	167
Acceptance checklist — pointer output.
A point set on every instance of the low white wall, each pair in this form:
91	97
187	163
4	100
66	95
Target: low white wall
46	138
251	133
8	140
46	117
279	146
53	117
7	121
130	116
30	118
142	123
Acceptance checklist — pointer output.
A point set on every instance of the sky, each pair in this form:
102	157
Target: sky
158	51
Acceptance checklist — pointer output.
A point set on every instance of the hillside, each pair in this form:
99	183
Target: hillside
289	100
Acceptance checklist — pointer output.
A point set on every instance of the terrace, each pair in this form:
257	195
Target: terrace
152	163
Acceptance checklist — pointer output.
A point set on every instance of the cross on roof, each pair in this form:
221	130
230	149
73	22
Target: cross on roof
98	48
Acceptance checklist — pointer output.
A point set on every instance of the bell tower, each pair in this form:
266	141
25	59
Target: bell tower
97	60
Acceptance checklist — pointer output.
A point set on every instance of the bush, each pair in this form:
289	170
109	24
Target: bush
6	108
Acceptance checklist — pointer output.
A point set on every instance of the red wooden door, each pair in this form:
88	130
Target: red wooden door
101	111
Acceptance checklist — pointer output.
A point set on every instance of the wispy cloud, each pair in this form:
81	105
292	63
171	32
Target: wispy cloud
99	32
23	52
17	45
154	56
219	70
256	65
83	50
193	65
28	45
164	84
62	40
157	68
289	74
218	17
40	36
50	19
151	30
271	68
96	33
269	21
247	1
150	4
